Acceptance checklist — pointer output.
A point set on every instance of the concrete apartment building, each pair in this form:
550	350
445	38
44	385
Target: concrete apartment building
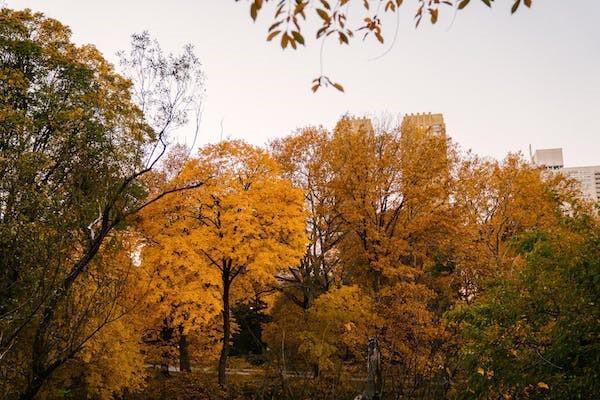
588	177
432	122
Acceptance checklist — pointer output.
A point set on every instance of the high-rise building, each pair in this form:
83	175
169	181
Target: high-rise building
588	177
549	158
431	122
361	123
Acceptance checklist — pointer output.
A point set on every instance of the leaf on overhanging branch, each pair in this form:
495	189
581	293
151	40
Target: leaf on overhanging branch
338	87
487	3
321	31
275	25
272	35
418	21
316	84
434	15
325	4
323	14
343	37
463	4
325	81
298	37
515	6
284	40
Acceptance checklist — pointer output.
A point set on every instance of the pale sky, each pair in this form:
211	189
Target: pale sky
502	82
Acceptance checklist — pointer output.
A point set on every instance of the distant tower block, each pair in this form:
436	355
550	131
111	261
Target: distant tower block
588	177
431	122
549	158
361	124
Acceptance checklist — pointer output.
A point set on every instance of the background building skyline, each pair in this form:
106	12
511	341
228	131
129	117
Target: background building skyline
502	81
587	176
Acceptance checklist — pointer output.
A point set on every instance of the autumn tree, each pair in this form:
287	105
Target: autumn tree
112	360
245	224
183	297
534	332
379	203
498	201
290	20
76	138
393	186
305	160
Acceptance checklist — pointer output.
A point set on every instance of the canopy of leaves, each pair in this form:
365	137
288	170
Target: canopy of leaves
534	332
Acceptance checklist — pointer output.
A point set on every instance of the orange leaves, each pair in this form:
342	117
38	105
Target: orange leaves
324	15
246	213
372	25
463	3
331	18
543	385
271	35
255	8
324	81
517	3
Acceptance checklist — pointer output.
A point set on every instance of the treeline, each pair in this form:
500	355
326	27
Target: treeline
474	278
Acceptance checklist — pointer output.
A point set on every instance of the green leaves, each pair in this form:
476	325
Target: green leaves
533	323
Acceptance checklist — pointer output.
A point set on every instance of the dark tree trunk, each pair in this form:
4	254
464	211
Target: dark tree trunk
184	352
373	390
226	326
41	367
166	336
32	389
315	368
164	363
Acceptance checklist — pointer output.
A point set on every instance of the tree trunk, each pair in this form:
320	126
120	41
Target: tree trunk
226	328
32	389
374	374
164	366
184	352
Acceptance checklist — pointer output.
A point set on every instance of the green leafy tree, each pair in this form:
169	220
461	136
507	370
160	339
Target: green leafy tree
535	331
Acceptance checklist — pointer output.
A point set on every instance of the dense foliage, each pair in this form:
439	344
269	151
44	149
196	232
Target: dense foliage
370	260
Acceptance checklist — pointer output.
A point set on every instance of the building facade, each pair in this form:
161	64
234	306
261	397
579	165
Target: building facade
433	123
588	177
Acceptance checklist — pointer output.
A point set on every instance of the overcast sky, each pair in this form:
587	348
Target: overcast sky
502	82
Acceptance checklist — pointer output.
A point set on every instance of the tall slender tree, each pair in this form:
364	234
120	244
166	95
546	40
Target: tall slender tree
76	140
